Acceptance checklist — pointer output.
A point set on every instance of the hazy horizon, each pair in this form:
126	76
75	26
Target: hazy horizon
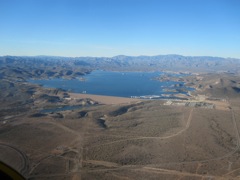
118	55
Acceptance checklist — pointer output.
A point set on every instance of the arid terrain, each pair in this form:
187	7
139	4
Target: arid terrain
54	134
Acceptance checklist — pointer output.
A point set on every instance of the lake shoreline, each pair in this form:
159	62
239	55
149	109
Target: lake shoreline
120	84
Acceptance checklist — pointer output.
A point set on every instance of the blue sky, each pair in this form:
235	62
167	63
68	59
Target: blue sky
114	27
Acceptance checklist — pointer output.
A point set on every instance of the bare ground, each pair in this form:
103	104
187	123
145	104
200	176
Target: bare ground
140	140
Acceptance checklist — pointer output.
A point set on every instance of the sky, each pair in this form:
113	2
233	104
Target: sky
120	27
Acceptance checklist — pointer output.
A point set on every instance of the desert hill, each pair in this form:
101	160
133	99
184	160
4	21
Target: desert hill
216	85
122	63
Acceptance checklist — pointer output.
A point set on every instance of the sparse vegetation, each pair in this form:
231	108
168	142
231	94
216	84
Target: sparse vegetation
153	139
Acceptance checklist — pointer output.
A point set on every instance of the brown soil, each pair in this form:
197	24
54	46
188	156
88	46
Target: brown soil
119	138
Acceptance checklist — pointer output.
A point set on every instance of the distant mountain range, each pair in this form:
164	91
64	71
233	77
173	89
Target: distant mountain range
128	63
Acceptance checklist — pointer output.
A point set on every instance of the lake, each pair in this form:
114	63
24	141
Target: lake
121	84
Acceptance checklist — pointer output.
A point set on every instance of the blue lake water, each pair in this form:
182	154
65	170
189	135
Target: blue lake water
122	84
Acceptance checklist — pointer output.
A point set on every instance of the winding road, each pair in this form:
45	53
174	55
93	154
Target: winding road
24	159
154	137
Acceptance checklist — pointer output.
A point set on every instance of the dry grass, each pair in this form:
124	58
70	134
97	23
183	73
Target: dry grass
124	139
